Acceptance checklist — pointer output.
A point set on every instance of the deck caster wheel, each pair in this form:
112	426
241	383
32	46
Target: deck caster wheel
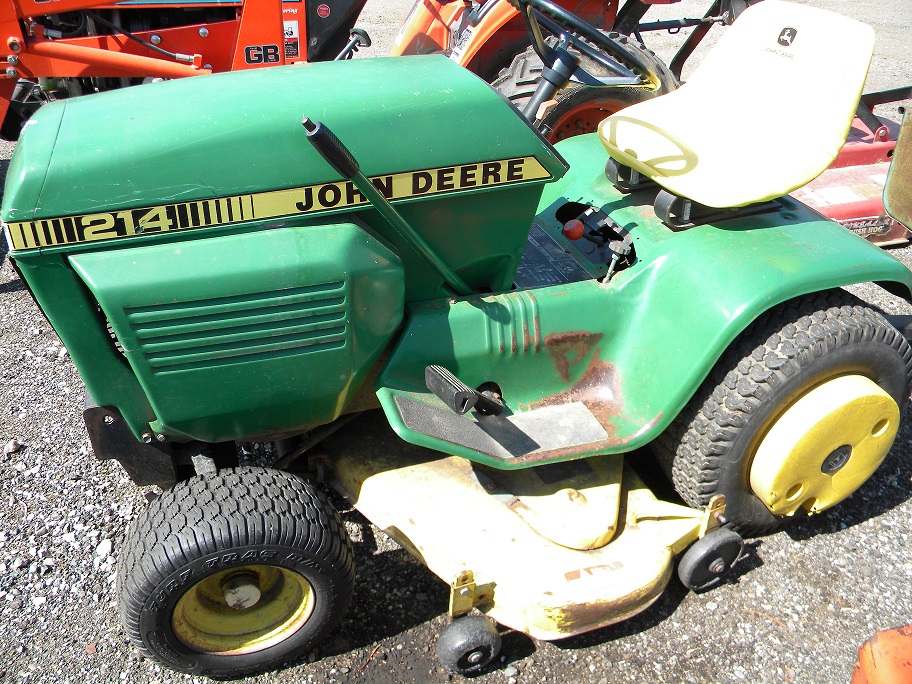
235	573
468	645
710	558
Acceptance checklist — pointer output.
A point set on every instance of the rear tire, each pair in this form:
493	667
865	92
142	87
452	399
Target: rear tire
580	108
785	355
234	574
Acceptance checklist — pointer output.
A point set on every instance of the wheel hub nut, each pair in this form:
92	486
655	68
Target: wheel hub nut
717	567
241	590
475	657
836	460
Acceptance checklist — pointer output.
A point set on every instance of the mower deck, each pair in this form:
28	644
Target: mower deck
479	535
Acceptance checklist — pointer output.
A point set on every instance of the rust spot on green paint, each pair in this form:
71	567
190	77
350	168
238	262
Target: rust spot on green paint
599	389
569	348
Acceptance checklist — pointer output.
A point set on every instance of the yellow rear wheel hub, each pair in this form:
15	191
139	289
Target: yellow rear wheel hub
243	610
824	446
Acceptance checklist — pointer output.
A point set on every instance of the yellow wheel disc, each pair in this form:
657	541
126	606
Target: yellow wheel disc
824	446
243	610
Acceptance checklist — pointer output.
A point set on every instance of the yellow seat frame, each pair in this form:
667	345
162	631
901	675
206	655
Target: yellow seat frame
765	113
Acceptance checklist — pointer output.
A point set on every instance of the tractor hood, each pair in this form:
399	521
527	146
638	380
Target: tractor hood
419	126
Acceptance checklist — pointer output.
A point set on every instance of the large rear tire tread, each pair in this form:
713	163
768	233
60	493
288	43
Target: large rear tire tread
519	81
705	451
242	510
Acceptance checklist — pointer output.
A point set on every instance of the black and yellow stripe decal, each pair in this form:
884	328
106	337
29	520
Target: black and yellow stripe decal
310	199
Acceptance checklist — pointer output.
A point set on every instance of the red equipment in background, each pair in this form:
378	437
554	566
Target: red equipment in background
885	658
87	46
851	190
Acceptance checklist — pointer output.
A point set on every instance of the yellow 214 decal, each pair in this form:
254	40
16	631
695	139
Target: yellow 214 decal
261	206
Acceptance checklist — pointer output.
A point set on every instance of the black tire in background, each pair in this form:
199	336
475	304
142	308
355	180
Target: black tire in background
580	108
787	352
234	574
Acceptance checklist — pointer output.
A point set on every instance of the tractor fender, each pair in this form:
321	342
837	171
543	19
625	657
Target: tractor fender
696	292
690	294
633	350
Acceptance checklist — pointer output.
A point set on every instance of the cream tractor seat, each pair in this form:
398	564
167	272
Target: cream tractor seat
765	113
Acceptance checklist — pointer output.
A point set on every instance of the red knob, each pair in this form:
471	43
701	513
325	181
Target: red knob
574	229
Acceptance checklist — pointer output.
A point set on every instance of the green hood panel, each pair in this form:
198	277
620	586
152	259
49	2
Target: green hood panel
194	158
237	133
29	165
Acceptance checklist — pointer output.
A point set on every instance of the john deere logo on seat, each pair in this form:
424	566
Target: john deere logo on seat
787	37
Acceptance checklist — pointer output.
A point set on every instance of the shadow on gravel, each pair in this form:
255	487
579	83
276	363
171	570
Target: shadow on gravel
14	285
888	488
516	646
393	593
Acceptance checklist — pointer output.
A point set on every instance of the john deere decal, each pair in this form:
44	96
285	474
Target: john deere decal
311	199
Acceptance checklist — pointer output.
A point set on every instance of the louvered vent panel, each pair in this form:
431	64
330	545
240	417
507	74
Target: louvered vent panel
202	333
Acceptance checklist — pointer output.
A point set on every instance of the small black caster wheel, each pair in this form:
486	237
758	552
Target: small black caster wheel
468	645
710	558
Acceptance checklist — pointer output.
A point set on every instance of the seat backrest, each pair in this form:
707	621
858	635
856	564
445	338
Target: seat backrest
800	65
765	112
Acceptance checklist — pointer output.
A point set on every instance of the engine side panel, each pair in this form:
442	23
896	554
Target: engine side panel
232	338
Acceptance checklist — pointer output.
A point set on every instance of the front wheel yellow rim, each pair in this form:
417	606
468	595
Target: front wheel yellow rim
243	610
824	446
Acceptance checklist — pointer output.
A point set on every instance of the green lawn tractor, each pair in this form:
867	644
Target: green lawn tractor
387	274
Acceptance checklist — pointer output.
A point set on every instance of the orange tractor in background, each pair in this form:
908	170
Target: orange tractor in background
63	48
87	46
489	38
486	36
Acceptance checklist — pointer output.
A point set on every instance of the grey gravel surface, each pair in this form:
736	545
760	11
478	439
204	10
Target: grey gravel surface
803	601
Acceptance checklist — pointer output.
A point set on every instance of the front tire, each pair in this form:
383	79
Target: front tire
234	574
797	414
580	108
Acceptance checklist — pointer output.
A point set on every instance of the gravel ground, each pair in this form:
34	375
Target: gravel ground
803	601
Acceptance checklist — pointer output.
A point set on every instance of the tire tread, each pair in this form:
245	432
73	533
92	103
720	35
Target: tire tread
519	80
234	508
692	450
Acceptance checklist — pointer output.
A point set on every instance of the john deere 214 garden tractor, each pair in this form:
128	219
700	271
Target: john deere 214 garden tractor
462	329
